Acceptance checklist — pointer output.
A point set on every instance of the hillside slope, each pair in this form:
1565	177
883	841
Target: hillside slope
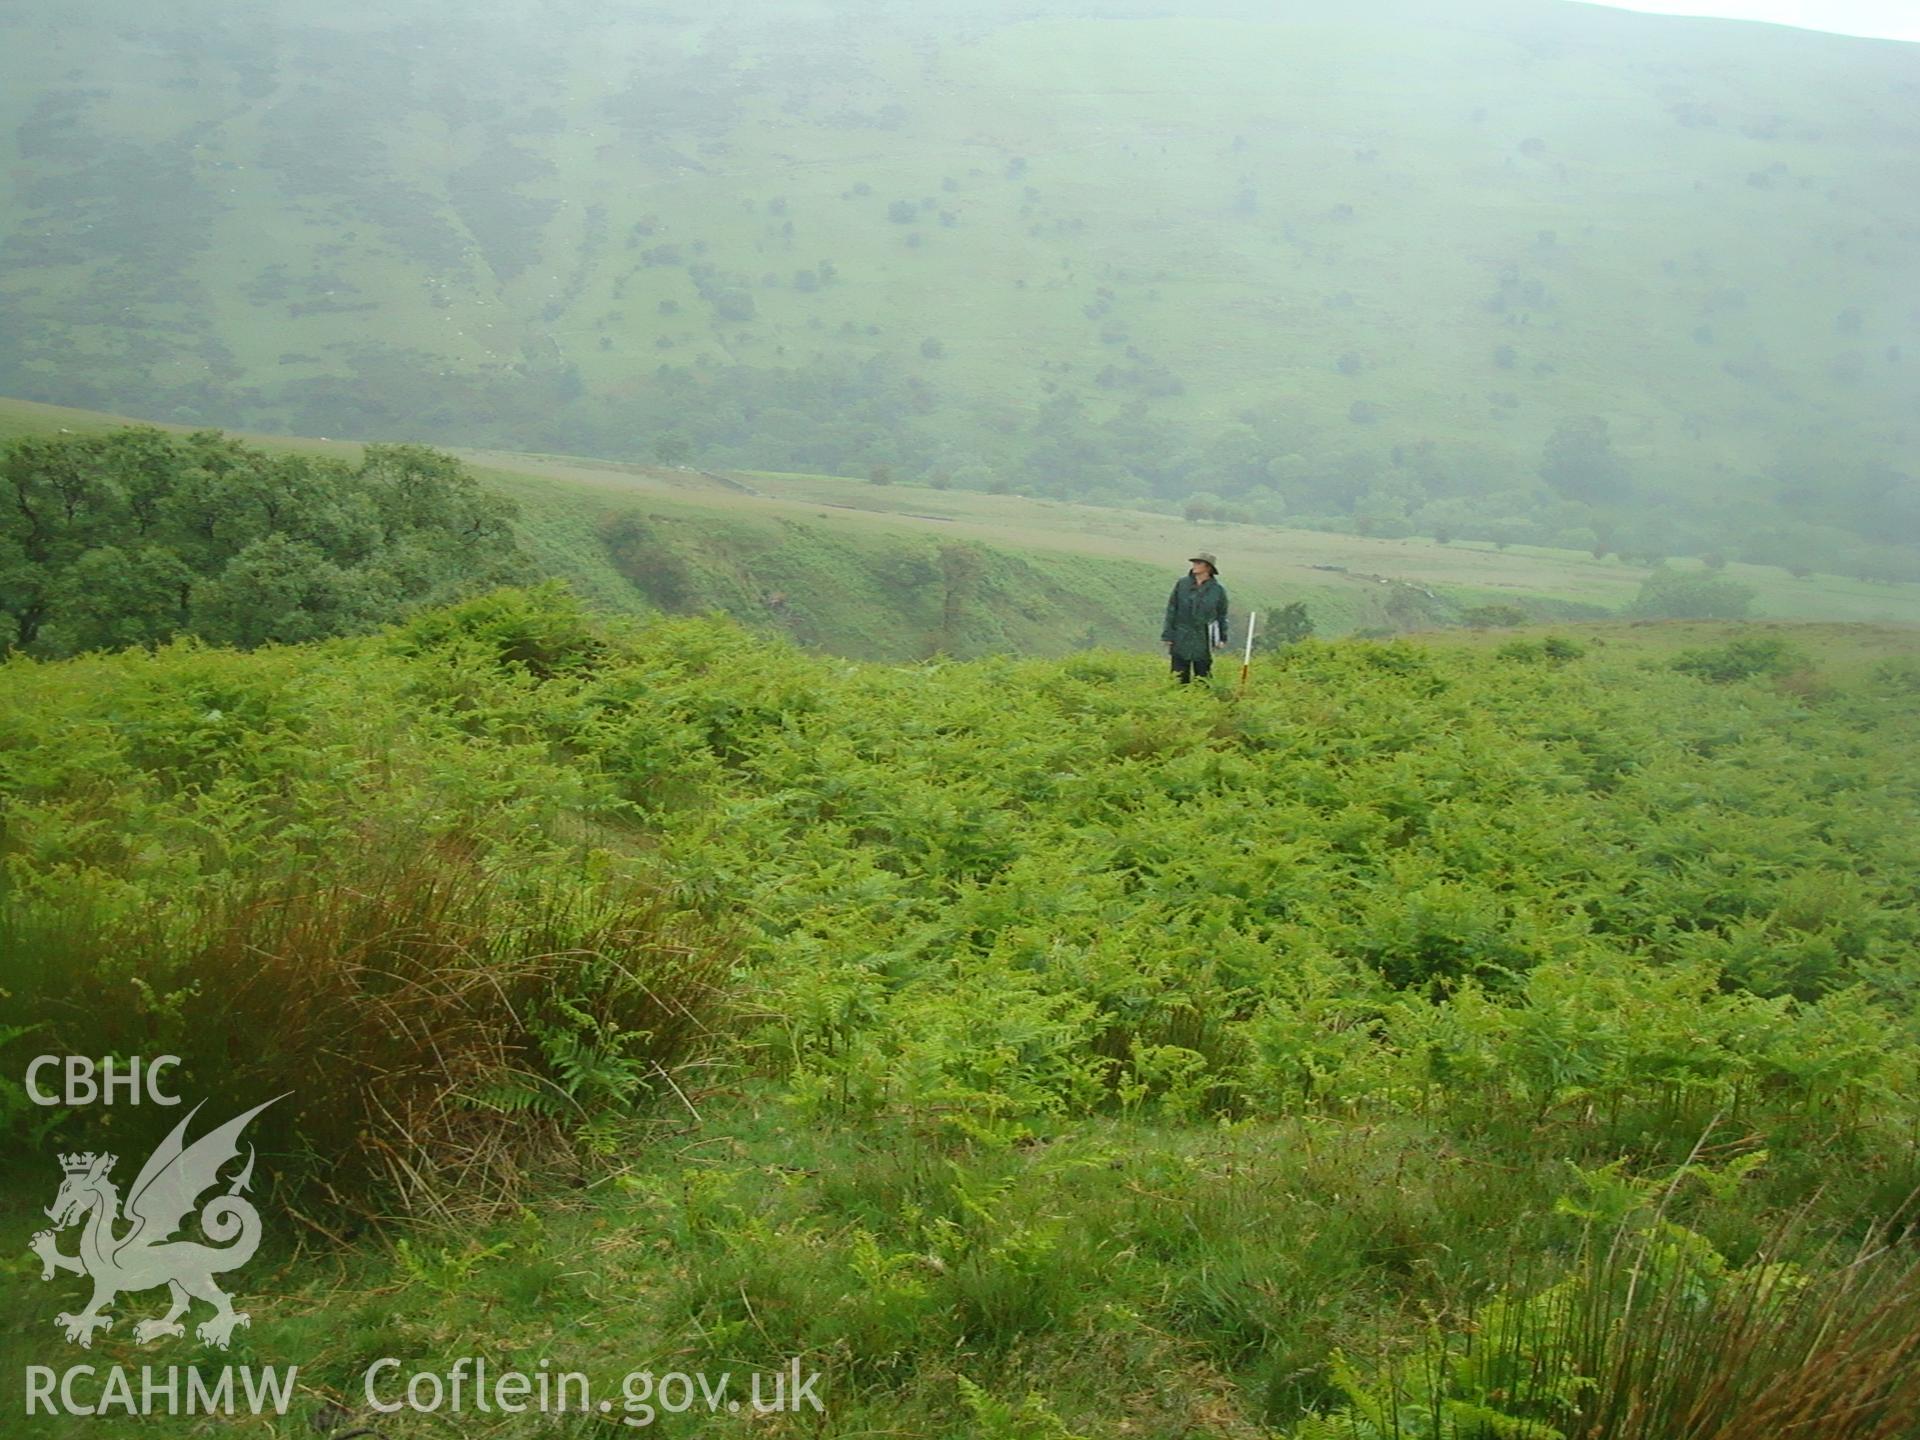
1359	265
1164	1063
902	572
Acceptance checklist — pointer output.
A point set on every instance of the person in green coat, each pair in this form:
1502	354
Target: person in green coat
1196	619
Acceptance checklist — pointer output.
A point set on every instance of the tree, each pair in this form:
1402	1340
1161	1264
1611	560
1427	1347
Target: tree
1288	625
1508	530
671	447
1266	505
1579	462
1669	594
277	590
135	536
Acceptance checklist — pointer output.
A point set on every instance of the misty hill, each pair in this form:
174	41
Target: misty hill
1536	272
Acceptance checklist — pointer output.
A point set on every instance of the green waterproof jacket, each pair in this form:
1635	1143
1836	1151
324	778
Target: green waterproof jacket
1191	612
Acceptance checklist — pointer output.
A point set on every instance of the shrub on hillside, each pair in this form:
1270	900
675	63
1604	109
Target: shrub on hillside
1553	649
542	630
1742	659
1669	594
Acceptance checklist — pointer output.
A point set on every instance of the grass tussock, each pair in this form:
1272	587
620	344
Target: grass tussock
1774	1349
442	1032
1652	1336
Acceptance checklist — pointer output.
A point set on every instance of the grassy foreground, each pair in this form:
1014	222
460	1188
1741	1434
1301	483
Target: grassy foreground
1031	1048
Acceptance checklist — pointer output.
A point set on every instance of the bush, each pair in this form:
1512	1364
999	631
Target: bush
1553	649
541	631
1669	594
1741	660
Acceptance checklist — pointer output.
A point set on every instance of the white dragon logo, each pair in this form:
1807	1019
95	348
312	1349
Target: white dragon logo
169	1184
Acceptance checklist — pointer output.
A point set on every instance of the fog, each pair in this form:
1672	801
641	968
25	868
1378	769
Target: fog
1531	272
1871	19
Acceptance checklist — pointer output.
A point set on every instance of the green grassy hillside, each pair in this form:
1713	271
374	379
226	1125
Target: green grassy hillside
1033	1049
1356	266
903	572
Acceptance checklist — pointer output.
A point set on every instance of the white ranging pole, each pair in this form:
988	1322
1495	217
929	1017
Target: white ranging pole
1253	617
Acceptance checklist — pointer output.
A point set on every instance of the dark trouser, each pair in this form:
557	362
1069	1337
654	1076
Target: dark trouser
1187	669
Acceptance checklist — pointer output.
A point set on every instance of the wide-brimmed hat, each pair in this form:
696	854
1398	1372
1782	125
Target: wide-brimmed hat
1211	560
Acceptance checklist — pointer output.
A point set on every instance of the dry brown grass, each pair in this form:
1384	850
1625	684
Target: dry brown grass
406	1003
1643	1343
